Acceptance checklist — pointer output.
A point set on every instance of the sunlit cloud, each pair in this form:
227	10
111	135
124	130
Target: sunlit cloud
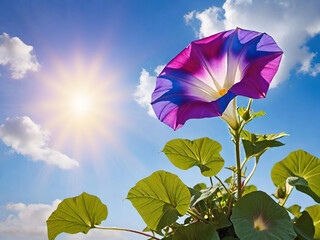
290	23
27	138
26	221
18	55
146	86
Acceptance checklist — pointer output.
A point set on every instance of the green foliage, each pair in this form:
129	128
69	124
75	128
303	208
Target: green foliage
196	231
304	227
248	189
295	210
257	216
77	214
299	169
215	212
160	199
255	145
314	212
202	152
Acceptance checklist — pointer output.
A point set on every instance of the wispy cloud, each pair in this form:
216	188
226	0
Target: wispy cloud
145	88
290	23
29	139
18	55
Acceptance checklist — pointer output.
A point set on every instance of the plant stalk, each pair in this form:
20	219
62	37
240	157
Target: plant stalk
127	230
238	159
224	186
211	181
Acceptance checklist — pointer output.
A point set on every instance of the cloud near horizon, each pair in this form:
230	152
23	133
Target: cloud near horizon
29	222
290	23
26	221
18	55
27	138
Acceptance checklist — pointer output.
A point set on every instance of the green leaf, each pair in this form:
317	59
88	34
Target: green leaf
160	199
257	216
203	194
202	152
304	227
295	210
299	169
221	221
196	231
255	145
77	214
248	189
314	212
200	186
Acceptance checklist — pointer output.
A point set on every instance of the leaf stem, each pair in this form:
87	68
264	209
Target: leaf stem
252	172
224	186
127	230
211	181
193	214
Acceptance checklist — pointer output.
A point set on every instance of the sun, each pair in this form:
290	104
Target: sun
81	103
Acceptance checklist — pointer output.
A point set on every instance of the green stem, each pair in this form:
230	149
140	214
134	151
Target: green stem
193	214
224	186
244	162
238	159
230	205
211	181
249	104
252	172
127	230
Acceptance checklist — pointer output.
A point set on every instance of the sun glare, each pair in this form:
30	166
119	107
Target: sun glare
81	105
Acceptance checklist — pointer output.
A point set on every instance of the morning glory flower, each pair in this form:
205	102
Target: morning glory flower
207	75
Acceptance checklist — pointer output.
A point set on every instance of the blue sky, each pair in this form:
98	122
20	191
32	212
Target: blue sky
123	43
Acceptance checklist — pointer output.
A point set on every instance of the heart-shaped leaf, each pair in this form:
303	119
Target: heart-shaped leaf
314	212
196	231
299	169
202	152
160	199
255	145
77	214
257	216
304	227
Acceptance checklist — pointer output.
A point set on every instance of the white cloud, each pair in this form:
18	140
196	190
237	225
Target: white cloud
290	23
145	88
26	221
29	222
18	56
27	138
